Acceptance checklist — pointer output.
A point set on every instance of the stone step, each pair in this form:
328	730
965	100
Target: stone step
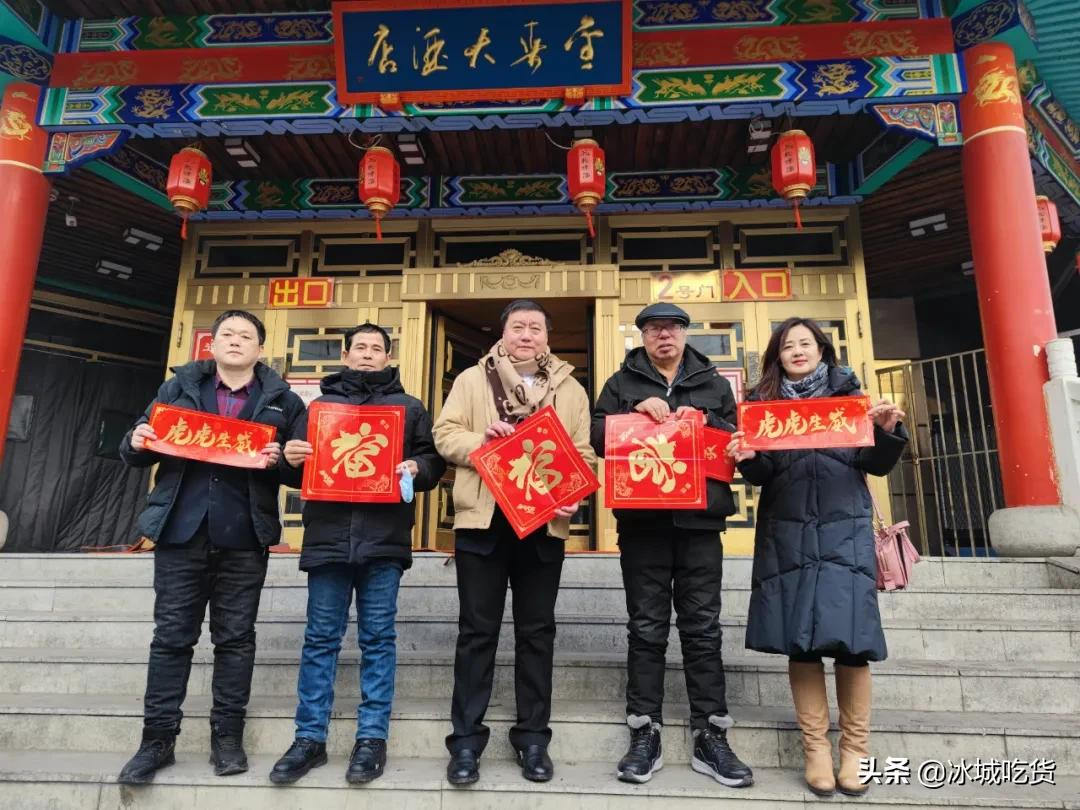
85	781
581	731
918	639
596	568
975	686
977	603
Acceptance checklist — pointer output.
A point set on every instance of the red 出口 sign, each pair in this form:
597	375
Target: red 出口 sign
202	436
356	450
804	424
534	471
301	293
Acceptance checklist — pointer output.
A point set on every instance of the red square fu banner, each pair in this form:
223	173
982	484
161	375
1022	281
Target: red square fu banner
202	436
534	471
805	424
718	465
650	465
356	450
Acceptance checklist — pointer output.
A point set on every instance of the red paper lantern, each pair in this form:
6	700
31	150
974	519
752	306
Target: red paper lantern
188	186
380	183
587	177
794	171
1049	223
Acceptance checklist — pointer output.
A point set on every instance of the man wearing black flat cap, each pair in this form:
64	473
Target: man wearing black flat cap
673	554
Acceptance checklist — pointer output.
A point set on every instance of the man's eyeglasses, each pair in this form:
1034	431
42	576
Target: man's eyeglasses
654	329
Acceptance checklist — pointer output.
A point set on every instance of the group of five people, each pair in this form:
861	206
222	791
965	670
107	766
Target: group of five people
813	583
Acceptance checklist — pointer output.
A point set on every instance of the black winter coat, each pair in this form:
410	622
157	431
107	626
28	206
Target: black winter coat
700	387
277	406
813	587
355	533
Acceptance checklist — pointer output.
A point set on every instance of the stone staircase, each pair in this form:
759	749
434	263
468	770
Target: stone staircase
984	663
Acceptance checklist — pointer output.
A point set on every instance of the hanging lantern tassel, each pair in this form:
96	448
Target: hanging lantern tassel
794	170
1049	224
189	183
380	184
586	177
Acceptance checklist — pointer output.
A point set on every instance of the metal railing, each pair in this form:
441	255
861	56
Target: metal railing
948	481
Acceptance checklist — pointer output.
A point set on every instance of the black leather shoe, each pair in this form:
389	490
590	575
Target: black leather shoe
302	756
464	767
367	761
535	763
227	753
156	751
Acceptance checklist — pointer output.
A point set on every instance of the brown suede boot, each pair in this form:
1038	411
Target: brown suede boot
812	710
853	696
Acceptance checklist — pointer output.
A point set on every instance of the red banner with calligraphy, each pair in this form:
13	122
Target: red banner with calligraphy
356	451
301	293
718	465
534	471
806	424
653	466
756	285
202	436
703	47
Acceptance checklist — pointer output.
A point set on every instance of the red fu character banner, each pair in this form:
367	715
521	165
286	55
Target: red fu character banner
202	436
805	424
650	465
356	449
534	471
718	465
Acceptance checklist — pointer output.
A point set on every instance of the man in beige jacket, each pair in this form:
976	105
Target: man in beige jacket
514	380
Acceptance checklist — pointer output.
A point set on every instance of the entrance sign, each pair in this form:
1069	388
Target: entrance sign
207	437
389	52
757	285
356	449
804	424
534	471
650	465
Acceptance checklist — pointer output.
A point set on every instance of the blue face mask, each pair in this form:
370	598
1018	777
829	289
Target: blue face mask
406	487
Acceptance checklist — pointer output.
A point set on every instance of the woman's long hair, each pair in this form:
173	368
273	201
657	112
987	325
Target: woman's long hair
772	371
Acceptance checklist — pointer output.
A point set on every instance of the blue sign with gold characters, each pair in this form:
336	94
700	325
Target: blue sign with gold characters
389	53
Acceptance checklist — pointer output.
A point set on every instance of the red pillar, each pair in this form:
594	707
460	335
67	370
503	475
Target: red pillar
24	203
1015	305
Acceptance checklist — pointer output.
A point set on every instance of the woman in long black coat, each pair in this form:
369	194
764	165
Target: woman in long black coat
813	590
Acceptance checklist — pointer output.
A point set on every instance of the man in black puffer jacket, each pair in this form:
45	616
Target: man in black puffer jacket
212	525
666	552
361	547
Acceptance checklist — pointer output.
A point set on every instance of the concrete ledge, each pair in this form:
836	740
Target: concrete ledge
1036	531
84	781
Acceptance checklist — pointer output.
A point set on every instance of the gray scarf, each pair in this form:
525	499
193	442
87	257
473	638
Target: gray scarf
812	385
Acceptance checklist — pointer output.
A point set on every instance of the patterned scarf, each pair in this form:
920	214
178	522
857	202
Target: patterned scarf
812	385
515	399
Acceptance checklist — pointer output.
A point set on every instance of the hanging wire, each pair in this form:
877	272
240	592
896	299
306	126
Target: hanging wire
375	142
555	143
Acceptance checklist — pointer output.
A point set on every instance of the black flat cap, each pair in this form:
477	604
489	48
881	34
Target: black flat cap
662	311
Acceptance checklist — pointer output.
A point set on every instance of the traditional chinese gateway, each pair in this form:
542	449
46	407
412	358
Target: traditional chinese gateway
906	172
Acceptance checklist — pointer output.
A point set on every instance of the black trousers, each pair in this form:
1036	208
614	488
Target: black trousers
533	576
186	578
664	566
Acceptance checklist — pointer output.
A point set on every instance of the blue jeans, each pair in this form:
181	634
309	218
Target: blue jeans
330	590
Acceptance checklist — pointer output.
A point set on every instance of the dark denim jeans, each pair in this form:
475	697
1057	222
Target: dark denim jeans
186	578
330	592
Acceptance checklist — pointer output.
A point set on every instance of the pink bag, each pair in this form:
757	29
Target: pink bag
895	553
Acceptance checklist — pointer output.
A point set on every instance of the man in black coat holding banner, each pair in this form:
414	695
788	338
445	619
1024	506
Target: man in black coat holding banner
212	525
668	554
356	547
